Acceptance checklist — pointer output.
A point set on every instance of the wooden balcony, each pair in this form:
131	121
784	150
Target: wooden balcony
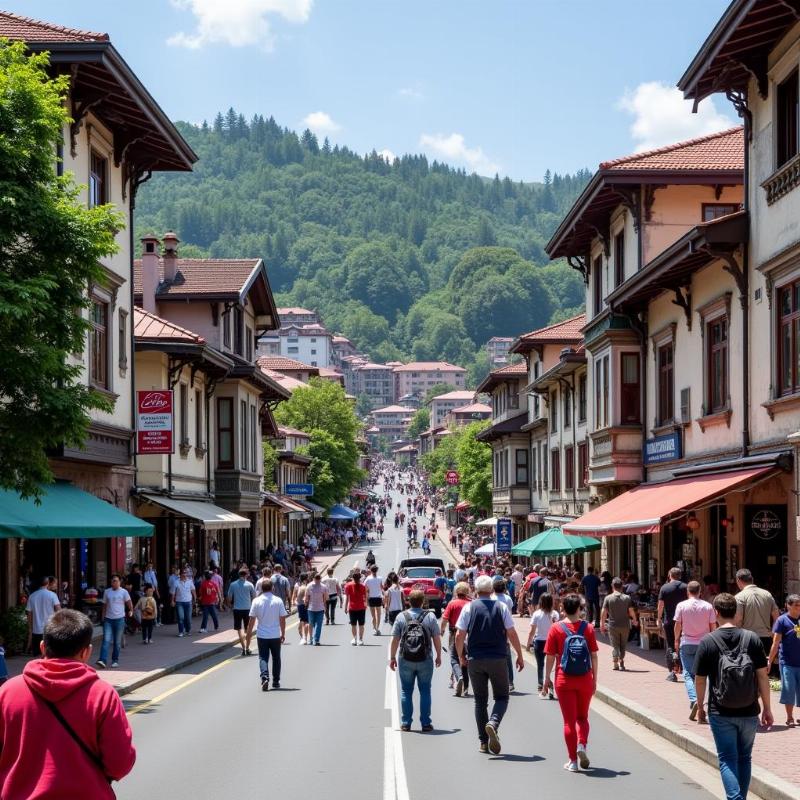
236	490
511	500
616	455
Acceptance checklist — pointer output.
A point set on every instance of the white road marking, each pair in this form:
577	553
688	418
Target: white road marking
395	784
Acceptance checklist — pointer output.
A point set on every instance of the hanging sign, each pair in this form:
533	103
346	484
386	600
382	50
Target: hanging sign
154	421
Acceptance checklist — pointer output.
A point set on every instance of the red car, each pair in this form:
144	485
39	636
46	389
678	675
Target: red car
420	573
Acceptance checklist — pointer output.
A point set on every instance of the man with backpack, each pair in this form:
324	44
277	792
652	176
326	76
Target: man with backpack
733	662
415	636
486	627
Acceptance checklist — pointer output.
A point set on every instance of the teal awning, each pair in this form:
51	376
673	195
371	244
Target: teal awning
65	512
341	512
553	542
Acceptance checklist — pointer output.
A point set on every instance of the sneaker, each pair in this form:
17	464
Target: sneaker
693	712
405	728
316	644
622	667
180	635
101	664
460	687
265	684
202	630
483	747
543	696
510	687
353	642
427	728
276	684
360	642
571	766
114	664
494	739
244	652
302	641
248	652
615	667
551	696
377	631
583	756
672	677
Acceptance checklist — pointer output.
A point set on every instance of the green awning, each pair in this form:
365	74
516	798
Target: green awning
65	512
553	542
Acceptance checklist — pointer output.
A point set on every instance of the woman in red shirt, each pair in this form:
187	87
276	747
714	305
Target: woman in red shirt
574	691
355	605
449	619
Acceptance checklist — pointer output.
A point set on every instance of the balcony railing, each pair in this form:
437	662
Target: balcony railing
783	180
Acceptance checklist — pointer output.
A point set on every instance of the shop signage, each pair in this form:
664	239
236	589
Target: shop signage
452	477
503	535
666	447
300	489
154	422
766	524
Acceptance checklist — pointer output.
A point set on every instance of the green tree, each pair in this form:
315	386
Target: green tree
420	422
270	453
444	457
474	459
51	246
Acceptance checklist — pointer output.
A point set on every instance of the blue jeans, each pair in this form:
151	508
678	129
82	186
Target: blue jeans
315	621
112	632
734	737
208	611
687	653
184	612
422	672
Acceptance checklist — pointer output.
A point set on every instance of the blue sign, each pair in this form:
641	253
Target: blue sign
304	489
662	448
504	535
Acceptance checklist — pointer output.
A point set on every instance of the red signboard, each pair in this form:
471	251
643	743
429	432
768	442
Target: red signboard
154	421
451	477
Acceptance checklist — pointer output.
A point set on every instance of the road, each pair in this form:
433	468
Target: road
333	728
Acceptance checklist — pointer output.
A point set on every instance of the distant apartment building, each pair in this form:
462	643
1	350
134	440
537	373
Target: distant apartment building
464	415
497	347
419	376
341	347
442	405
392	421
309	343
375	381
348	366
298	316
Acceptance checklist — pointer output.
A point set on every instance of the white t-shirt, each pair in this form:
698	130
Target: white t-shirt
333	586
543	622
519	580
183	590
395	598
115	600
505	599
268	610
42	605
374	586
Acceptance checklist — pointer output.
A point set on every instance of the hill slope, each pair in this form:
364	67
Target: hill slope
409	259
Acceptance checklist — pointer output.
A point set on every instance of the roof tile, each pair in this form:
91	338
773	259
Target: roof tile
27	29
429	366
283	364
216	276
149	326
569	330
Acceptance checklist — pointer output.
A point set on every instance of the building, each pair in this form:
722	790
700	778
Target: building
341	346
375	381
118	135
309	343
289	367
465	415
419	376
497	348
298	316
443	404
392	421
348	366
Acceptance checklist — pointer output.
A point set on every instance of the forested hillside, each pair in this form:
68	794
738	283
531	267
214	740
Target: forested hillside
411	259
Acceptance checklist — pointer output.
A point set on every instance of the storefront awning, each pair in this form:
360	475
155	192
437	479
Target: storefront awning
313	507
65	512
463	505
211	517
645	508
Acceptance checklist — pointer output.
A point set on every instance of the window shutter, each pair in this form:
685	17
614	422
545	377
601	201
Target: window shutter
686	405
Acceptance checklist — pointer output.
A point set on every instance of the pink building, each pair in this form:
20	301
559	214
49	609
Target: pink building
419	376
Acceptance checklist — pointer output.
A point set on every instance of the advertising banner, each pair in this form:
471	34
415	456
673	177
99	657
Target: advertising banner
154	422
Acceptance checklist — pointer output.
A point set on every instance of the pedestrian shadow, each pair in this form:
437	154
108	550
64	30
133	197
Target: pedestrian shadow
635	671
517	693
283	689
516	757
440	731
602	772
326	644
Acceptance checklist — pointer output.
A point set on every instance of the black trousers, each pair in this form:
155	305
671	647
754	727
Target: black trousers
267	648
482	673
330	609
669	643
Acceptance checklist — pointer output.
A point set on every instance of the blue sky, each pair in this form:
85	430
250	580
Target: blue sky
517	86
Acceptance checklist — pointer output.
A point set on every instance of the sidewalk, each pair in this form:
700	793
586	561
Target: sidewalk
140	664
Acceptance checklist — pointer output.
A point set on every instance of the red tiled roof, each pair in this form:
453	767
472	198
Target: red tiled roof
459	395
327	372
286	430
569	330
394	410
287	382
429	366
473	408
517	368
295	310
149	326
283	364
717	151
17	27
213	276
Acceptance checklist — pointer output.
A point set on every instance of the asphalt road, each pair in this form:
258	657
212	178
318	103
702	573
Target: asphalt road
332	730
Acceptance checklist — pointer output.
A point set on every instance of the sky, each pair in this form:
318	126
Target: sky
509	86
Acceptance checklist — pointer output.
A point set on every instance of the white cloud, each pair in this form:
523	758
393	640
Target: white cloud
237	22
387	155
453	148
411	93
661	116
321	123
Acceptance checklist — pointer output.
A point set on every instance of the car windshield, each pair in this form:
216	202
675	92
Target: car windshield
421	572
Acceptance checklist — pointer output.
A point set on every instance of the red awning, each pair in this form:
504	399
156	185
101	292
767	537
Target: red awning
463	505
645	508
358	493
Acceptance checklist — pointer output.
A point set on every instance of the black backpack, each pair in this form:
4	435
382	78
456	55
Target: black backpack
736	685
415	643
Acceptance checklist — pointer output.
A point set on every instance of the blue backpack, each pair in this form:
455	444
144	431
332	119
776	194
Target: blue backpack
575	659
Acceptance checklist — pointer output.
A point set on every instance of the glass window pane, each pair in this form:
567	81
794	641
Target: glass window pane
786	357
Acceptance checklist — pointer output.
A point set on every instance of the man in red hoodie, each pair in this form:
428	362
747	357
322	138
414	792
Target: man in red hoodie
63	731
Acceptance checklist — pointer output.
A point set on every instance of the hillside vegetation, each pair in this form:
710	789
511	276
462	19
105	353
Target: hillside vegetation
410	259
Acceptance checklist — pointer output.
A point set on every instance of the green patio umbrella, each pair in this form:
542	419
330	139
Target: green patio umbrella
553	542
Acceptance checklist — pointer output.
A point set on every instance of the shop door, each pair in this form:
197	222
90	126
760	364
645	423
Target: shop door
765	546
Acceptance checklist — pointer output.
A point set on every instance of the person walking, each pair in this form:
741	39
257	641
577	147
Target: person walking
268	617
151	576
571	646
209	599
41	605
116	606
334	596
415	636
485	626
733	697
316	602
355	605
450	617
756	609
590	585
786	645
393	599
670	594
694	618
299	600
281	587
617	616
43	712
541	621
147	608
183	596
374	584
241	594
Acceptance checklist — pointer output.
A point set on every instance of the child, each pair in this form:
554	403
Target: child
3	668
148	609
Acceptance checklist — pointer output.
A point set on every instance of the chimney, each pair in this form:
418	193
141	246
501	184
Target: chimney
150	279
170	241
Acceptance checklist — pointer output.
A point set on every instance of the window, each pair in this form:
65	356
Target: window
544	466
199	437
122	336
555	471
553	412
183	395
789	338
254	436
717	361
712	211
583	465
629	388
313	340
582	398
597	285
225	432
522	468
565	396
569	467
238	331
606	415
243	433
535	467
313	352
248	334
293	340
787	108
226	329
601	393
98	180
619	258
666	385
292	350
98	344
